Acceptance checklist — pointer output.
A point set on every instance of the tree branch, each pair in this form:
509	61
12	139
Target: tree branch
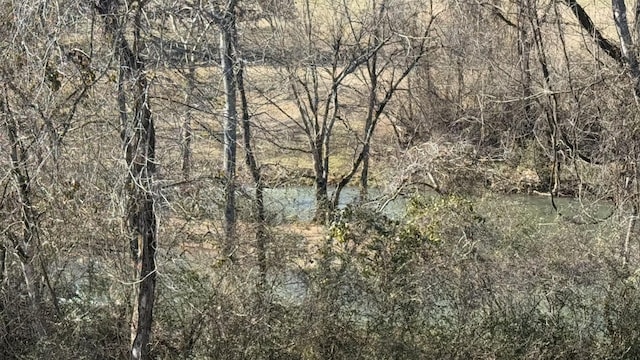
585	21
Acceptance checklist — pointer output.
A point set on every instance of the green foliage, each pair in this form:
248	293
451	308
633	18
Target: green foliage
396	273
448	283
444	218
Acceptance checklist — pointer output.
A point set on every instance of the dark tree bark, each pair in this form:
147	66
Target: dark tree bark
3	267
626	43
252	164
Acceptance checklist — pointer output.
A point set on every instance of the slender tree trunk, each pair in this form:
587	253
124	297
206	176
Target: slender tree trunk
147	278
323	208
321	191
138	137
252	164
187	131
230	127
524	51
372	69
364	175
551	103
226	21
3	267
142	219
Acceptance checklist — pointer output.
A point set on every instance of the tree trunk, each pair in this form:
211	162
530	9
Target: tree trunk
3	267
230	127
364	175
142	220
372	71
138	137
622	26
252	164
585	21
626	42
147	278
187	131
550	105
323	208
524	51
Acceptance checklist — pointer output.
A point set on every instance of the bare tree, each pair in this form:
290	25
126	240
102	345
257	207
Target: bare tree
227	24
225	18
622	148
38	105
384	76
322	80
27	240
138	139
256	175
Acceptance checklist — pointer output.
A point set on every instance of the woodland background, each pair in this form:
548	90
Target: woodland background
142	143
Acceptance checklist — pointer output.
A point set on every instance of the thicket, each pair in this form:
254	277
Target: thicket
456	278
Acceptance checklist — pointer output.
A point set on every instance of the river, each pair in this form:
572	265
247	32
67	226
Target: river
298	204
